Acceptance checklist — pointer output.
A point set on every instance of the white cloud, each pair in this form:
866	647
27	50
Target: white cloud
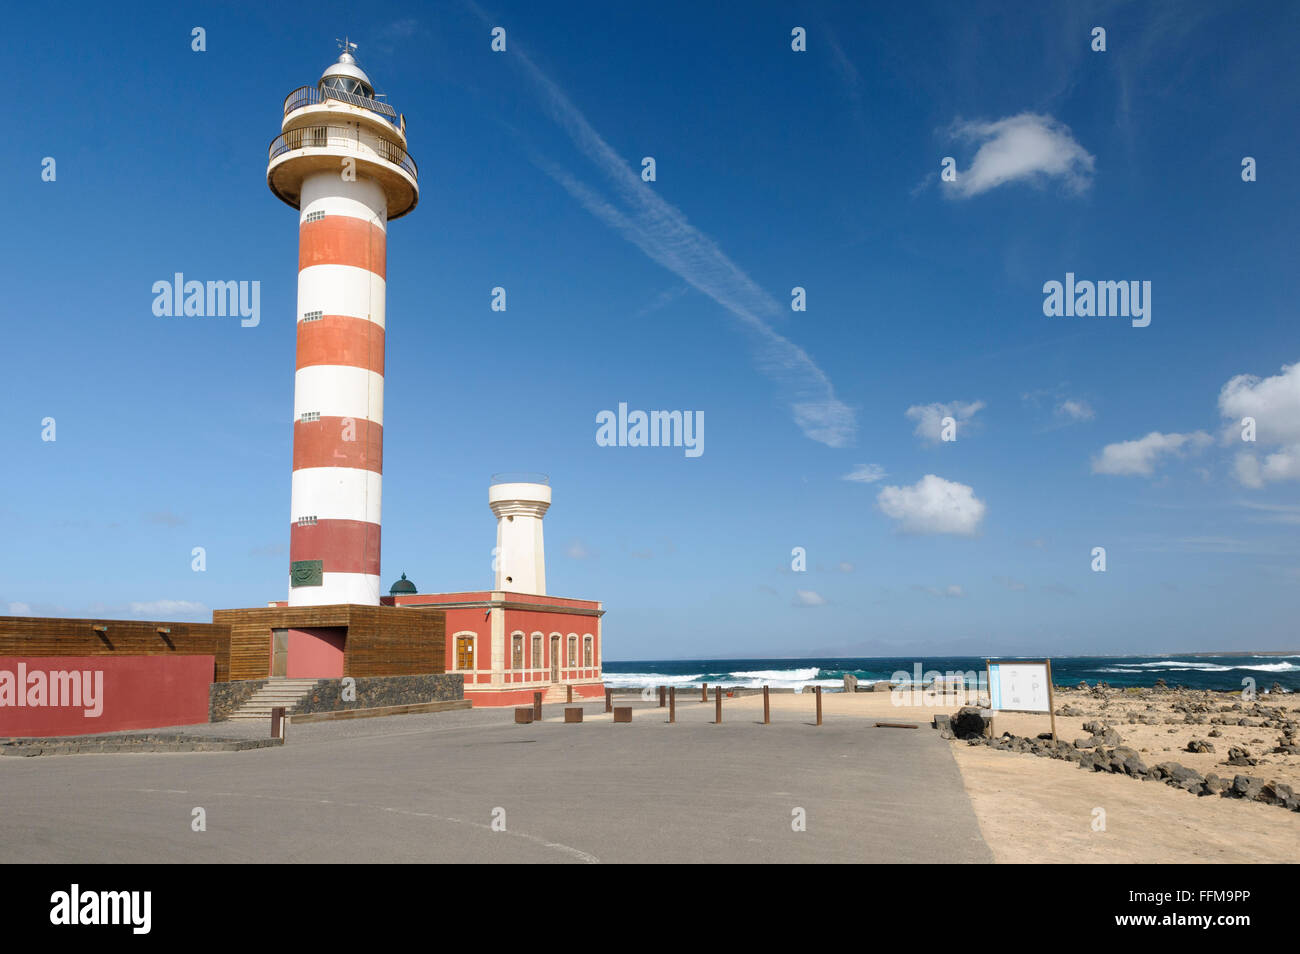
20	609
929	417
866	474
808	598
1274	403
165	609
846	567
1027	147
1141	456
933	505
1075	410
952	591
636	211
1014	585
577	550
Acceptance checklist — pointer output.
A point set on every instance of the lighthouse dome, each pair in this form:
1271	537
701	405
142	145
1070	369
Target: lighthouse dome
402	587
346	77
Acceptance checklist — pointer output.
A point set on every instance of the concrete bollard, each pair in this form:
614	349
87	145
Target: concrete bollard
622	713
767	708
717	705
523	715
819	705
537	707
573	714
277	722
672	703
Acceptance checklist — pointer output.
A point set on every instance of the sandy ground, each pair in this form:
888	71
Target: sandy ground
1034	809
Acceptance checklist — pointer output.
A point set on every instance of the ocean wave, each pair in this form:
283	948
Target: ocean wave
1177	665
1133	669
785	675
635	680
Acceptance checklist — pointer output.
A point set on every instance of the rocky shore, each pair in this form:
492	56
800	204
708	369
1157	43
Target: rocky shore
1207	729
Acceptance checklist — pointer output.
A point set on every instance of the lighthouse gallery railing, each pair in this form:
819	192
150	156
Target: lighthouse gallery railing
312	95
322	137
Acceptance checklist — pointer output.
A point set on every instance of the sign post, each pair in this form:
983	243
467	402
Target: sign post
1022	685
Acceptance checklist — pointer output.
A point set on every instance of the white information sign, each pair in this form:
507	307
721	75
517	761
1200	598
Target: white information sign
1020	687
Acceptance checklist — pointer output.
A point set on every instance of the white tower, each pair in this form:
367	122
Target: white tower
519	502
341	161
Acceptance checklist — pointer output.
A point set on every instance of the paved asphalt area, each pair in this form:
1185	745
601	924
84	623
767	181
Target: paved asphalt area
434	788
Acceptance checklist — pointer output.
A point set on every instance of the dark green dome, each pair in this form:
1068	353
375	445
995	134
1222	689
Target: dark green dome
402	587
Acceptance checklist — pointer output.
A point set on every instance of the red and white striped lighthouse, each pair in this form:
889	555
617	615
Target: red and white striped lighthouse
341	160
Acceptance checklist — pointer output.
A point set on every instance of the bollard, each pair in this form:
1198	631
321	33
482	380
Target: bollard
622	713
704	692
819	705
662	696
277	722
767	708
568	693
672	703
537	706
609	704
523	715
717	705
573	714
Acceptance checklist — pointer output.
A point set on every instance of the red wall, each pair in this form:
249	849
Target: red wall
138	692
316	653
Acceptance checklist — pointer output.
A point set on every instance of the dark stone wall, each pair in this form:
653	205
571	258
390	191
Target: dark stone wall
375	691
225	697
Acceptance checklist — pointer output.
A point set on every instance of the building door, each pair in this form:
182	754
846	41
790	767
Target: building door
555	659
279	652
464	652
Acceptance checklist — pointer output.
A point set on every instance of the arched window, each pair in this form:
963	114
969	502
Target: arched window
573	649
586	650
517	651
537	660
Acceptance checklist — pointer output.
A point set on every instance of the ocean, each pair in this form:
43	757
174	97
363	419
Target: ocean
1192	671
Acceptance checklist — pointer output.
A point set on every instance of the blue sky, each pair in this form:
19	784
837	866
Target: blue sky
775	169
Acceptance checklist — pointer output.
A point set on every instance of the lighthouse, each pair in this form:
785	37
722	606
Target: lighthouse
340	160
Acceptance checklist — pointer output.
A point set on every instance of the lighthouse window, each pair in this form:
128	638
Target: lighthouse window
307	521
310	416
313	216
312	315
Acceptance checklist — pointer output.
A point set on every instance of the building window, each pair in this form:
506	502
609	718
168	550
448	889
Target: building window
573	650
586	651
464	652
517	660
537	650
312	315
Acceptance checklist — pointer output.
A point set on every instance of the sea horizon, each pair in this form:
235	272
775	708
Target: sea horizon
1228	671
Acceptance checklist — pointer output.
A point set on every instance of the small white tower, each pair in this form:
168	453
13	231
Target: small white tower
519	502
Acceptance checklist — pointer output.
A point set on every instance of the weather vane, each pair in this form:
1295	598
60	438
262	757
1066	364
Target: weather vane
345	44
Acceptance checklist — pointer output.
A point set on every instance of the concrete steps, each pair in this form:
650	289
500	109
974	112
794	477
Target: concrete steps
277	692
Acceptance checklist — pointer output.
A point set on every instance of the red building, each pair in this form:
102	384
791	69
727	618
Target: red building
509	645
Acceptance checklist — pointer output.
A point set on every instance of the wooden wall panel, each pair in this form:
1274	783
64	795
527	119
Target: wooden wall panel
56	636
381	640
